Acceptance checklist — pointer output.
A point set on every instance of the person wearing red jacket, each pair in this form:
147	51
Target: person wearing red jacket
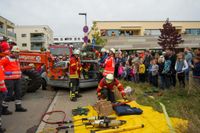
74	74
109	65
3	90
12	79
106	87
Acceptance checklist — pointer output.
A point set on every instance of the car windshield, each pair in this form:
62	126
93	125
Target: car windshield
59	51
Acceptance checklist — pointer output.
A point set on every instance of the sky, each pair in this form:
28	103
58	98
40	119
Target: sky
62	15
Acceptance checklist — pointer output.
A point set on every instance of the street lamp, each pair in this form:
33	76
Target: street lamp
85	28
85	14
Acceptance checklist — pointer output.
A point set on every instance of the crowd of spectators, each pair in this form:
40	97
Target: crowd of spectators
160	69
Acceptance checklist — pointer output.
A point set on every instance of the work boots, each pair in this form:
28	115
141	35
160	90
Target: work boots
2	130
19	108
73	99
78	95
5	111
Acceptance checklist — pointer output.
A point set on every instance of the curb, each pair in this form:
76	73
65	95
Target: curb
42	124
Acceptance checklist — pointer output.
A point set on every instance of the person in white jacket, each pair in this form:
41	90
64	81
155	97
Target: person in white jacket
181	66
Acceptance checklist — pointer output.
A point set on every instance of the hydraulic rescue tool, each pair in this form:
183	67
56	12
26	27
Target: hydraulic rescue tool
117	130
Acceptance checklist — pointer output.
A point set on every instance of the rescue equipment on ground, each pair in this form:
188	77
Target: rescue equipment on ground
80	111
117	130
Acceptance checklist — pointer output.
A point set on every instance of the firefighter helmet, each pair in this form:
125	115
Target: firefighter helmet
109	78
112	50
15	49
103	50
76	51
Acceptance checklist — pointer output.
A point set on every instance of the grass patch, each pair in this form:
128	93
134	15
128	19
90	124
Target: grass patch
178	103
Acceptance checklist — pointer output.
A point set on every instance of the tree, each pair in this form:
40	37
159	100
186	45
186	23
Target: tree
169	38
96	35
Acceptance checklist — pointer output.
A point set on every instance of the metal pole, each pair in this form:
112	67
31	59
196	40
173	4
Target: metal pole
86	19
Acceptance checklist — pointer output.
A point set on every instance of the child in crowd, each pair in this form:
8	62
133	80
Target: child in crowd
180	67
195	80
132	73
161	61
142	71
154	73
166	71
120	70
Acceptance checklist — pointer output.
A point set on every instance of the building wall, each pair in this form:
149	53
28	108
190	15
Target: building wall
145	33
7	29
25	36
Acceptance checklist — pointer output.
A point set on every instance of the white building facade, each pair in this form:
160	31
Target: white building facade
34	37
70	40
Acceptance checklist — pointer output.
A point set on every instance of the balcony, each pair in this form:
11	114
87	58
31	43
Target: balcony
38	39
2	31
11	34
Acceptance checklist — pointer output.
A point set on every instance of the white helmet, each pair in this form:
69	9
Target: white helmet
84	54
10	40
76	51
15	49
103	50
109	78
112	50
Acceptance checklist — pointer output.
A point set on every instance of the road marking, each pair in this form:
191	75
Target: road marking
42	124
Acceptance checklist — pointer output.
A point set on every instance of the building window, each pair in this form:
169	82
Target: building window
24	45
192	31
75	38
23	35
113	32
70	38
152	32
55	39
66	38
61	39
78	38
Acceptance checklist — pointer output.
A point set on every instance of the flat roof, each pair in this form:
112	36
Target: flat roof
7	20
149	21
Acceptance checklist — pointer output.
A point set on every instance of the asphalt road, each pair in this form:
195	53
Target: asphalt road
62	102
37	103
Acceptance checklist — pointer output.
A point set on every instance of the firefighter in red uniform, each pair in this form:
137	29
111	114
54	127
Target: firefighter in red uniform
106	86
12	79
74	75
3	90
109	66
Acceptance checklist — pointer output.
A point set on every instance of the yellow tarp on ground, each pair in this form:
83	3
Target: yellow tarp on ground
154	122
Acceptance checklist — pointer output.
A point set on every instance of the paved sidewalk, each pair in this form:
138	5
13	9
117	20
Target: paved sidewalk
62	102
37	103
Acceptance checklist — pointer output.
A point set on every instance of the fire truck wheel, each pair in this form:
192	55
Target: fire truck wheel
35	80
24	85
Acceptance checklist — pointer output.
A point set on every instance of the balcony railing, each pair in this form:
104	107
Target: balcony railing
38	39
2	31
11	34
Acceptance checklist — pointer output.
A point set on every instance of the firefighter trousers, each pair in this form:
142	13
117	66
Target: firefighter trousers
74	87
1	100
108	94
14	90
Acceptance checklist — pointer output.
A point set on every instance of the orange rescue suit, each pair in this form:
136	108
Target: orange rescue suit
115	83
109	66
2	83
74	67
11	68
